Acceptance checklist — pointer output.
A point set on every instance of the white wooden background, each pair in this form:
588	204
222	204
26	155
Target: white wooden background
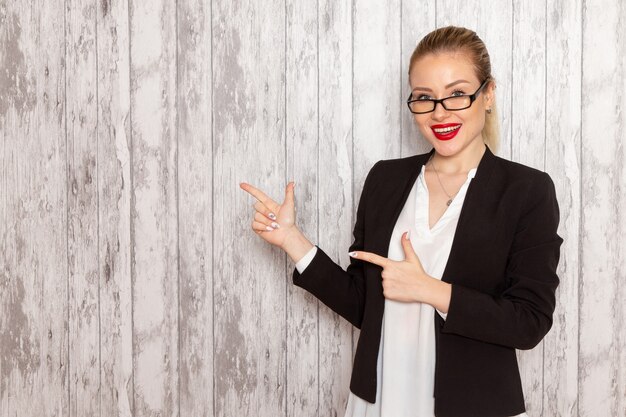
130	280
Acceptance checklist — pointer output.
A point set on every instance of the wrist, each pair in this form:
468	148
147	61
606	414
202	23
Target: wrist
296	245
439	295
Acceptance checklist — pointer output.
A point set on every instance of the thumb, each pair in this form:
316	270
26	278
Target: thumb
289	194
409	253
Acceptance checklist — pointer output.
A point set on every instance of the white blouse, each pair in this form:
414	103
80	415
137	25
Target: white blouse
406	358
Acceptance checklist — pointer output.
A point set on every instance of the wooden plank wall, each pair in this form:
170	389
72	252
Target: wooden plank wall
130	281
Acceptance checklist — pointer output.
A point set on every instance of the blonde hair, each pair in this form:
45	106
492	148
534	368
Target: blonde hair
466	41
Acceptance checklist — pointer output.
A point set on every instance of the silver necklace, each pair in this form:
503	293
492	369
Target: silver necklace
450	198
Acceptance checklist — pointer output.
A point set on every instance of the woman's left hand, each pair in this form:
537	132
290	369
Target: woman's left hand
404	280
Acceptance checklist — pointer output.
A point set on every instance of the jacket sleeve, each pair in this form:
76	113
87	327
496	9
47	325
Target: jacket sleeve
306	259
522	314
341	290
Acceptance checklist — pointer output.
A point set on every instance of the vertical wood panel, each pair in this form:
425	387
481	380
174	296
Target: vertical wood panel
563	104
493	21
82	234
302	141
195	206
114	201
335	182
529	84
528	145
376	85
33	206
601	330
418	19
249	140
620	259
154	207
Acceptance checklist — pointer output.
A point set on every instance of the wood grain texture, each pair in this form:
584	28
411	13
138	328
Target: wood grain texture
601	333
620	231
34	351
82	234
130	281
249	145
154	226
563	163
195	207
376	84
335	191
302	150
114	201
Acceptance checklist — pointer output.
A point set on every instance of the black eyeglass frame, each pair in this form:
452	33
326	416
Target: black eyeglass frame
472	98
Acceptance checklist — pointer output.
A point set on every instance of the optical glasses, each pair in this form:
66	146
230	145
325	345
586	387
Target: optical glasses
453	103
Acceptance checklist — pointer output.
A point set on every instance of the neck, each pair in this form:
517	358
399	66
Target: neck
462	162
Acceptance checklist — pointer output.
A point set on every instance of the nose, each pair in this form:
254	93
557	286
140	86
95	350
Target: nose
440	113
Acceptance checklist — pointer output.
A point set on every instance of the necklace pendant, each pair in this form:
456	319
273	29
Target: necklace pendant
449	202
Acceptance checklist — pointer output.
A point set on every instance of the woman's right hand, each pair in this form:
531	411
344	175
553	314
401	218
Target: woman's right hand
268	213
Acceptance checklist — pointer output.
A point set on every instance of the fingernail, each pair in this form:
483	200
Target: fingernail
272	216
269	229
275	225
353	254
408	235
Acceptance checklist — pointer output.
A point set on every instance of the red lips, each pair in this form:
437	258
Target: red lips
447	135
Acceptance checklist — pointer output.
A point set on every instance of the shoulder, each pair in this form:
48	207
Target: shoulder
520	176
396	168
402	163
529	189
517	168
387	175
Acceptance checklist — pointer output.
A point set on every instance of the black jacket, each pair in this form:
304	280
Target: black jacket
502	267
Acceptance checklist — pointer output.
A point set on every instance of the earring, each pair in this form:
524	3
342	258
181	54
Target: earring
489	111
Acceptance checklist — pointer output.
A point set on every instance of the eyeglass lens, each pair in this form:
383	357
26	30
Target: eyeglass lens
450	103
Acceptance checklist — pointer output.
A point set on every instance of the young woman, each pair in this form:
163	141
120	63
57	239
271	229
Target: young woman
453	263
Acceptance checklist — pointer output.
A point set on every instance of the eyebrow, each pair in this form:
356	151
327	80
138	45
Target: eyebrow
447	86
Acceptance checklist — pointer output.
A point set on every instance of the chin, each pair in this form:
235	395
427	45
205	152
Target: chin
455	145
446	148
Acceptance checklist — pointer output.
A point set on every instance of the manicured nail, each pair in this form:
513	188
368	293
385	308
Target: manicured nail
408	235
275	225
353	254
269	229
272	216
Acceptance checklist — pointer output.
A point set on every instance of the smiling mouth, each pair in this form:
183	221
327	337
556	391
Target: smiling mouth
446	129
443	132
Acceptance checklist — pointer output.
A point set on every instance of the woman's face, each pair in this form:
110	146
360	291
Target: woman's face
444	75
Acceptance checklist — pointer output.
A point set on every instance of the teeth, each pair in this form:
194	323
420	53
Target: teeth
447	129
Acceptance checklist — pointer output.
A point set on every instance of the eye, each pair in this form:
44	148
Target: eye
460	92
423	97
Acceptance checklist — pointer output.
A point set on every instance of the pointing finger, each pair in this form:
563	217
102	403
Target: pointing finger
370	257
259	195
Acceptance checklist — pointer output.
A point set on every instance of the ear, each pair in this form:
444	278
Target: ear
490	94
